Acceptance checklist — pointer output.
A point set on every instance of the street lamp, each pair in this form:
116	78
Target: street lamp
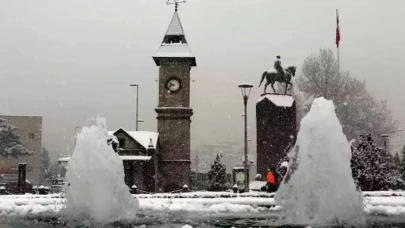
245	89
137	96
385	137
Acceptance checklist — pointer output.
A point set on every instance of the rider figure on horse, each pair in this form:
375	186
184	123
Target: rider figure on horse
278	67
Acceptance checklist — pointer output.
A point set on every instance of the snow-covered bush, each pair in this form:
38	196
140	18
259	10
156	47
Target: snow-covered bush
373	168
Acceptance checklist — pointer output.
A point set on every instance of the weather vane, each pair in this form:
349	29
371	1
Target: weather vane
175	2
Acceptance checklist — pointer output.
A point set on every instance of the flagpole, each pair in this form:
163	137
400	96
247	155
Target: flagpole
338	58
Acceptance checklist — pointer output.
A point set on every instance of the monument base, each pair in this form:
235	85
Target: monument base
276	129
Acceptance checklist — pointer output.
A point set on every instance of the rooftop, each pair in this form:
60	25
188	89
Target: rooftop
142	137
174	44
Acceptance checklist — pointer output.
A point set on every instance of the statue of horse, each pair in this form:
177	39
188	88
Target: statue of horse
273	76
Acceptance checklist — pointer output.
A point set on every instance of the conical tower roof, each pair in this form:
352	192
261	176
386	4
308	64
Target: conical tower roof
174	44
175	27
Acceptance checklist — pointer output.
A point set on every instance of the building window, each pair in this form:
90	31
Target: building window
121	143
32	136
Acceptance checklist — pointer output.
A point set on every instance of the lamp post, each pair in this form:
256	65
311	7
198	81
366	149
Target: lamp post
385	137
137	96
245	89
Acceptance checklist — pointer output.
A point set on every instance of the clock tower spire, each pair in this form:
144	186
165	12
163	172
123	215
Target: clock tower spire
174	60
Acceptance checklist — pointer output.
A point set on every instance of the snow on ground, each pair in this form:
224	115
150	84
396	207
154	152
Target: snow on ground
385	210
386	201
201	208
209	206
384	193
198	203
9	208
31	196
207	195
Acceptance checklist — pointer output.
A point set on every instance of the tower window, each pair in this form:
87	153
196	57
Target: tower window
174	39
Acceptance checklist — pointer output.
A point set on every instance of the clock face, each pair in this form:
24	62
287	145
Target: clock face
173	84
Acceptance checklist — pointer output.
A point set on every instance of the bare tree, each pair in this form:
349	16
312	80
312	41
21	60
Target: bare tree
356	109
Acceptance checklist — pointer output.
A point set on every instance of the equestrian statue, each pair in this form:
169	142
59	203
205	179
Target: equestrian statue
278	74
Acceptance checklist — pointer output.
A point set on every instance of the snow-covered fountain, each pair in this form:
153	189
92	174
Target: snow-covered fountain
319	188
96	190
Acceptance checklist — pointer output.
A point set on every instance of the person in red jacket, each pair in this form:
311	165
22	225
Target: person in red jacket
271	181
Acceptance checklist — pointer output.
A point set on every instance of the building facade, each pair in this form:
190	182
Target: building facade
29	128
138	151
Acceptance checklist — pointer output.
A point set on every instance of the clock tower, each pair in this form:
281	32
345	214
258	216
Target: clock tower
174	60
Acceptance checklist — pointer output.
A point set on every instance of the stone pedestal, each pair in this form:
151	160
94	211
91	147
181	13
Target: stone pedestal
276	129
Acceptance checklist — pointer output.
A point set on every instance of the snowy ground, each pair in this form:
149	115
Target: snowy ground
221	204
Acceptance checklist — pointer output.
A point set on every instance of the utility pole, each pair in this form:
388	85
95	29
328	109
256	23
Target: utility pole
137	97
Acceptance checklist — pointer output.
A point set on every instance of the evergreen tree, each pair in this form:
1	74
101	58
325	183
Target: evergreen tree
217	176
373	169
402	166
45	163
400	184
10	142
397	160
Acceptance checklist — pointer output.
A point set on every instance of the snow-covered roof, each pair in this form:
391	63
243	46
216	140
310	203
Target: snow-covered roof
176	50
142	137
175	27
278	99
65	159
135	158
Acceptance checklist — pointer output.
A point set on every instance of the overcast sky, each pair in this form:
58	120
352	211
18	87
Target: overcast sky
70	60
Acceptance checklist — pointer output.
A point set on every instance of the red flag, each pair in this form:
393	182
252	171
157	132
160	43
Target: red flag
337	29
